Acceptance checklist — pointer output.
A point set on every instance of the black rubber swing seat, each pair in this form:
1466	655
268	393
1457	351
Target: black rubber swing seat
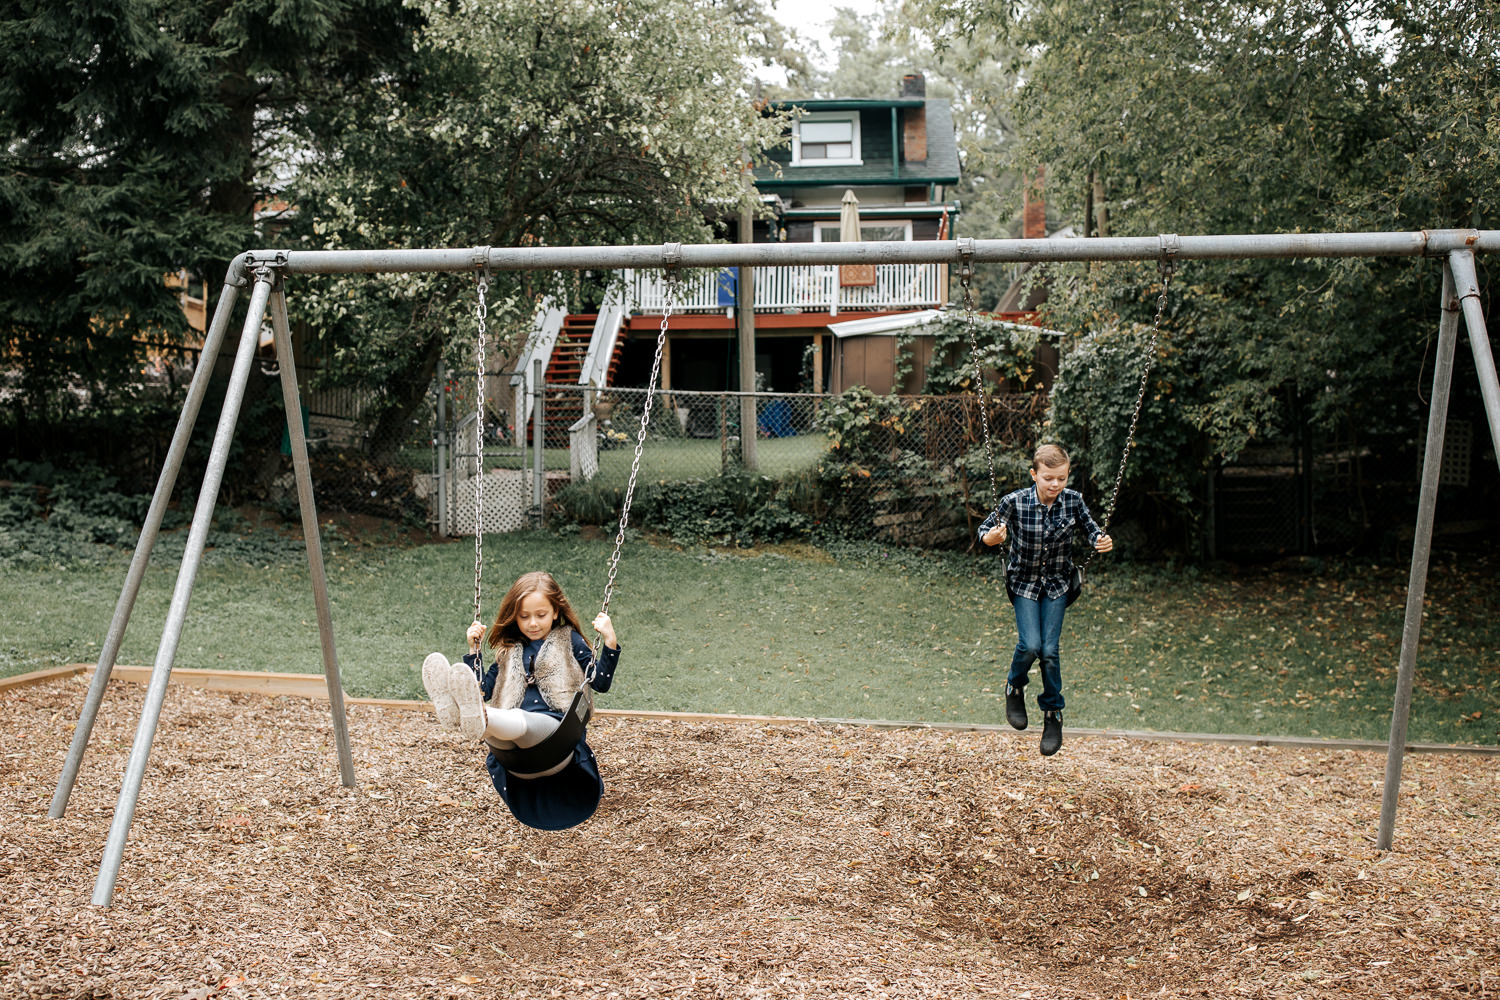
554	749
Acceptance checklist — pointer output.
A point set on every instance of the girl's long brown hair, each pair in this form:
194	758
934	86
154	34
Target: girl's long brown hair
505	632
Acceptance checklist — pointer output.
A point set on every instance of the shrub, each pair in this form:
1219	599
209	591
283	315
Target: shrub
731	509
589	502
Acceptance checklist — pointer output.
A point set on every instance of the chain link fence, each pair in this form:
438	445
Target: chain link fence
908	470
1321	493
357	468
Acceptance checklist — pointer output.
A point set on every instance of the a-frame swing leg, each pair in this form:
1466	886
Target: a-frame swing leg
161	670
1467	290
197	389
303	470
1416	587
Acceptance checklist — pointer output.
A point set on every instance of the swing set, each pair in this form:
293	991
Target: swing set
265	272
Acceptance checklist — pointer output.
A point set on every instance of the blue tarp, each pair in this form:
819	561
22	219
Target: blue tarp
775	419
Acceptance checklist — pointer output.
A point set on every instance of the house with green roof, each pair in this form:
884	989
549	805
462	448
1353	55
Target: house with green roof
891	161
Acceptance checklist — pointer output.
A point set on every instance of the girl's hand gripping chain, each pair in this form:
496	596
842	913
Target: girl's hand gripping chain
606	628
476	635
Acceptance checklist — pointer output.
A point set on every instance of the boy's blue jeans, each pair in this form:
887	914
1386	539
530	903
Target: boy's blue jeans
1039	626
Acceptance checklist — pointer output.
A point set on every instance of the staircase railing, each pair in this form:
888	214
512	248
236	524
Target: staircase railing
613	312
544	332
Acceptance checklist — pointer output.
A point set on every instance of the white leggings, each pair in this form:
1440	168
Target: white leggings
517	727
514	727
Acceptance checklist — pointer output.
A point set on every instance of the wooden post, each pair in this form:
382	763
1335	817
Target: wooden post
1088	204
666	377
744	322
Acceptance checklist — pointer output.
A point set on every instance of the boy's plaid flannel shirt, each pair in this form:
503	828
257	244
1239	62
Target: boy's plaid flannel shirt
1041	540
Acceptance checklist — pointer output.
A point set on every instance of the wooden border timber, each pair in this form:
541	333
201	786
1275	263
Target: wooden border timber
42	676
297	685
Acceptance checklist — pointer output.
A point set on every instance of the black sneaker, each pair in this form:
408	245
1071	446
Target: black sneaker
1015	707
1051	733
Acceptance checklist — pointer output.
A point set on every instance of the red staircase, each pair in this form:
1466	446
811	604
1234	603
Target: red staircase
562	409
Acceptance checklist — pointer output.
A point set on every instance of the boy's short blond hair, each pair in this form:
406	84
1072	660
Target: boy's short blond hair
1050	455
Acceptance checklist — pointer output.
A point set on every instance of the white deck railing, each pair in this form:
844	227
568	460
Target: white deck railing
810	287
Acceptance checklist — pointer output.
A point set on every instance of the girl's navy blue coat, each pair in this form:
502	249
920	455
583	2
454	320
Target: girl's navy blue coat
570	796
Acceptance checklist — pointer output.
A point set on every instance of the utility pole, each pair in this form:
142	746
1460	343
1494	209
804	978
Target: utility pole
744	322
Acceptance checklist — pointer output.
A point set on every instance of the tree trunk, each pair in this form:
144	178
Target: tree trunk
1088	204
1101	207
404	397
235	198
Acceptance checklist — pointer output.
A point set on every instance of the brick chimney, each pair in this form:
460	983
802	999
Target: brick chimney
914	134
914	120
1034	207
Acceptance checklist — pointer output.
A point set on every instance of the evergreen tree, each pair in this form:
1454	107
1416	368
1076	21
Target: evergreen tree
138	138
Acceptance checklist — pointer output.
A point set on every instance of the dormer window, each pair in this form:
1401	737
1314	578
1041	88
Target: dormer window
826	138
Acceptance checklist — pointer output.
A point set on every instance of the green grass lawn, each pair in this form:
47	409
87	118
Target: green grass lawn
858	632
683	458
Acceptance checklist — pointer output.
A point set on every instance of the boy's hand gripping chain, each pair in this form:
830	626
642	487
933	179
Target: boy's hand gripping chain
671	258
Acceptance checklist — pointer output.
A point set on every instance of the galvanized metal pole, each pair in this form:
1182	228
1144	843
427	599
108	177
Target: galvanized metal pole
1416	587
442	449
1432	242
538	441
314	542
1467	288
156	691
197	389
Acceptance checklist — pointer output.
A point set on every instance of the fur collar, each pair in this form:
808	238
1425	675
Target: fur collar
556	671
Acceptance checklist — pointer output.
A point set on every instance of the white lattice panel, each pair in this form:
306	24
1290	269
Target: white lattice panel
507	496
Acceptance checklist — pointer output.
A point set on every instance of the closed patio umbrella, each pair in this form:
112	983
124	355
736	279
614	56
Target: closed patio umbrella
852	274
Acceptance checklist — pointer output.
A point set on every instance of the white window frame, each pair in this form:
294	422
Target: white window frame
823	225
852	117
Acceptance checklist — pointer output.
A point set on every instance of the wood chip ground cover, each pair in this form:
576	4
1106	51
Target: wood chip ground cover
733	861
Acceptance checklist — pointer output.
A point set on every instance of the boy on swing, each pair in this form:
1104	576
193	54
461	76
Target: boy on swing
1041	580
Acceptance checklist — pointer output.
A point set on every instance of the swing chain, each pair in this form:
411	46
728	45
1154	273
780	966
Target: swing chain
481	314
671	259
965	279
1167	267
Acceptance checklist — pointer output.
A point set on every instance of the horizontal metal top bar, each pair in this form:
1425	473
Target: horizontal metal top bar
717	255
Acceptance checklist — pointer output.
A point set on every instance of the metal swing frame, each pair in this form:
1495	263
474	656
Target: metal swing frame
264	273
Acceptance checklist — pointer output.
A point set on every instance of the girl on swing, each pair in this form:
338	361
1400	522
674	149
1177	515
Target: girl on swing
541	662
